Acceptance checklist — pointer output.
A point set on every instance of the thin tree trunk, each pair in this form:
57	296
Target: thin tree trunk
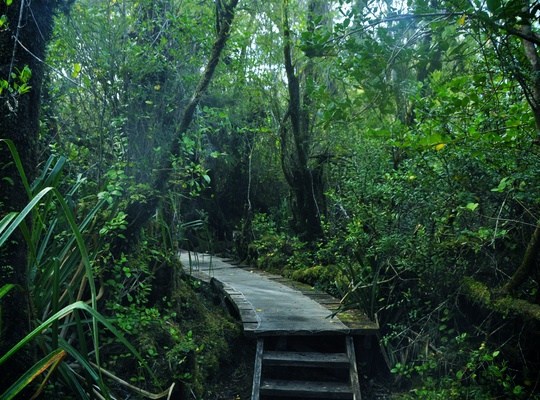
534	97
138	214
304	182
529	262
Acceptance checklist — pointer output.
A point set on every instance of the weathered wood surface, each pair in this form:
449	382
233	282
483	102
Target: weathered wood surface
257	370
272	305
319	390
353	371
306	359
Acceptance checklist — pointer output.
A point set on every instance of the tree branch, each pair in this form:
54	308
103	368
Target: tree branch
529	36
138	214
527	264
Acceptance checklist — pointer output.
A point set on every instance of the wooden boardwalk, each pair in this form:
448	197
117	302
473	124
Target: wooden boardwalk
272	305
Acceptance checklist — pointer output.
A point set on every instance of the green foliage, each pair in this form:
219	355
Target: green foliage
419	123
19	82
477	374
208	335
124	109
271	248
59	267
432	179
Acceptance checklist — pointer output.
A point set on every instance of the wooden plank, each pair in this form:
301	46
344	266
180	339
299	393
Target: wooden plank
329	303
239	299
237	295
248	316
353	371
318	295
315	295
306	359
319	390
245	308
257	370
234	293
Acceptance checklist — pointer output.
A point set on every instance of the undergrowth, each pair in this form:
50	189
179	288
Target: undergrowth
428	338
184	333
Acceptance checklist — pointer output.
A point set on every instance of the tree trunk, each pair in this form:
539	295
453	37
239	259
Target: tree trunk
138	214
533	93
529	265
305	182
21	44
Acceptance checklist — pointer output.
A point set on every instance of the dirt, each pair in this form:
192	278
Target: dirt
236	376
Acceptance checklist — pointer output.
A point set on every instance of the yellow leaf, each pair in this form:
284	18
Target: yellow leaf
440	146
461	20
76	70
157	87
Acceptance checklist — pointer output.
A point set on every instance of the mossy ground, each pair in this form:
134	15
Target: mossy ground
188	338
223	364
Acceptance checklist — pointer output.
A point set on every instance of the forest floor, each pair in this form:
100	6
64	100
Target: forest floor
235	379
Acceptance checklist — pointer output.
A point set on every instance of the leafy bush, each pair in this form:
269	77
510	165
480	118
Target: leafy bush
477	374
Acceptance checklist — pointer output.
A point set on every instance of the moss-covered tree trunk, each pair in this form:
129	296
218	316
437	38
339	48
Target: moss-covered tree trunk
22	44
528	77
529	267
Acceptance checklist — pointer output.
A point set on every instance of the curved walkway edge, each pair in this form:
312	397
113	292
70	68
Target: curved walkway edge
271	305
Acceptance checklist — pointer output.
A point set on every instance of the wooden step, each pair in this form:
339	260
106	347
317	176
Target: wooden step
314	390
305	359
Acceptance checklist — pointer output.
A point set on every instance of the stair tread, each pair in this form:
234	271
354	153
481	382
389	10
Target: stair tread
328	390
306	359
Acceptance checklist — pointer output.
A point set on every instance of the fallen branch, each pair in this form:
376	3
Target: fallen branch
145	393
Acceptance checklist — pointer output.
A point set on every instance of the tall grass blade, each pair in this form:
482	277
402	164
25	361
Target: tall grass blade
5	289
79	305
81	359
18	164
6	221
55	363
37	369
55	297
43	326
51	178
23	214
73	380
44	171
58	272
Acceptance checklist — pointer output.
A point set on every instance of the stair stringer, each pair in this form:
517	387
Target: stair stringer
353	370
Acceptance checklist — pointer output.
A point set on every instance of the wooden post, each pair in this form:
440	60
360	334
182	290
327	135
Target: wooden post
353	372
257	370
